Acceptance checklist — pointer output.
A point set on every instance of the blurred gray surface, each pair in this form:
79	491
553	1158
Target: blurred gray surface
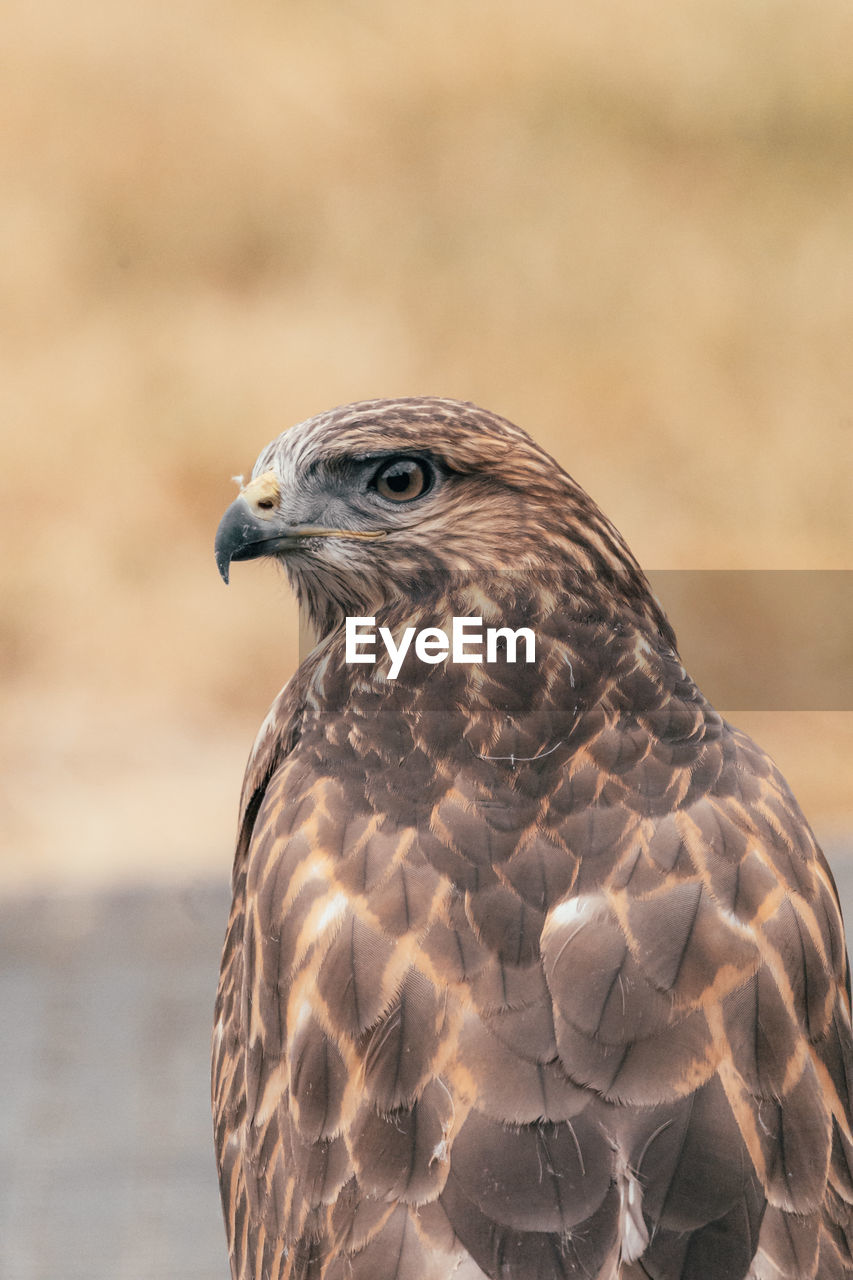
106	1008
105	1135
840	856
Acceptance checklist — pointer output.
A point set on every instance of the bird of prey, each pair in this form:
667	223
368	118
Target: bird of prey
534	969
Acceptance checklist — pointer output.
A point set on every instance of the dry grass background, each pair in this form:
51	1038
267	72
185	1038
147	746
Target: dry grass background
626	227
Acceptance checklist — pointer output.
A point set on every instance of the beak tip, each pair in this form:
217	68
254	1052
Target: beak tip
230	537
223	562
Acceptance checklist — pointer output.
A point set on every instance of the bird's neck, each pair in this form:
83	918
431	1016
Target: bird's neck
500	642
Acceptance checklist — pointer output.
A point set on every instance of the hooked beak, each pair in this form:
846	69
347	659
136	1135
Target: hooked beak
252	527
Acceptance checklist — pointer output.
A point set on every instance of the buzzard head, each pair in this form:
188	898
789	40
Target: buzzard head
386	500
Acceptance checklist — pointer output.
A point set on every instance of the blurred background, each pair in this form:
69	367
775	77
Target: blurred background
629	232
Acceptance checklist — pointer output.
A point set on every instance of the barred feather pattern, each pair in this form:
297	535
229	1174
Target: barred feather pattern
531	974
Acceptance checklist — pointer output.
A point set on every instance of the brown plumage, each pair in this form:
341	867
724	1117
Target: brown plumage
534	971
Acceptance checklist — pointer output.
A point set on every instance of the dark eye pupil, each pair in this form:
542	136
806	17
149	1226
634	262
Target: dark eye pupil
399	478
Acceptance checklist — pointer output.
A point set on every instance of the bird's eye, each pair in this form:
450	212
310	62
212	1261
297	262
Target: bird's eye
403	479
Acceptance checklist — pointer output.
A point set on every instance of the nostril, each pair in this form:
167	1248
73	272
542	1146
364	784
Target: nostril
265	504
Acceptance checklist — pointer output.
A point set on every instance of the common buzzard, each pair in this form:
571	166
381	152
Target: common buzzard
534	970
